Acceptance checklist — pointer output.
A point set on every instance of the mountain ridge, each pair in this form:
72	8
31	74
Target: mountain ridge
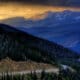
19	45
59	27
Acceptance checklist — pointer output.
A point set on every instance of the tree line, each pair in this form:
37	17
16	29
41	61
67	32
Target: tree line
63	75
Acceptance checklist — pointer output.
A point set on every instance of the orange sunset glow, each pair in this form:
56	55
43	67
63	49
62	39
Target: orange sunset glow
8	10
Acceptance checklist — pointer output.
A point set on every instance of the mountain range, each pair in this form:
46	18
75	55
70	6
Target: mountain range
60	27
21	46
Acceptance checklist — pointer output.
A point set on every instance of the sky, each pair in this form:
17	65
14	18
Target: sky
35	8
48	2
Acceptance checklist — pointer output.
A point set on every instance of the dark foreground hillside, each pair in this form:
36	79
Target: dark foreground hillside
21	46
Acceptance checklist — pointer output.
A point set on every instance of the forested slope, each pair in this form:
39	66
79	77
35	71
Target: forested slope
21	46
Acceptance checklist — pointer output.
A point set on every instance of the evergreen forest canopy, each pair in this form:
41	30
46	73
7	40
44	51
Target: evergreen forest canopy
21	46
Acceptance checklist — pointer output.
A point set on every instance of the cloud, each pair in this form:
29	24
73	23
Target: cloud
60	27
49	2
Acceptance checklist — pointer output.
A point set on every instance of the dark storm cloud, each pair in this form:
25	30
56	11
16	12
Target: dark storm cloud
49	2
